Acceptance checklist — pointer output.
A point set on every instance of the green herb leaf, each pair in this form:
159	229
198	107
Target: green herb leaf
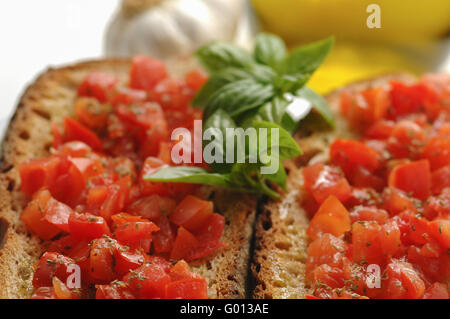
216	56
319	104
219	121
272	111
238	97
288	147
269	50
260	73
190	174
306	59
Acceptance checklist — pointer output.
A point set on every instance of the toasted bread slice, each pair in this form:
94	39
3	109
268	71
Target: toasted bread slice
50	98
281	242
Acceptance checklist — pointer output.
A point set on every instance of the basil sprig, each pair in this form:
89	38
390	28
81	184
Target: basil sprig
250	90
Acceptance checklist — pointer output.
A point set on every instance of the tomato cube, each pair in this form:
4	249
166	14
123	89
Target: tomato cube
192	213
332	218
146	72
414	178
321	181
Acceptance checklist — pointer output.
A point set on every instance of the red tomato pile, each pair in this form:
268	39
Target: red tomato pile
384	200
91	200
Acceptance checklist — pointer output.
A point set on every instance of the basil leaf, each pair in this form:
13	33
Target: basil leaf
216	81
279	178
287	146
269	50
190	174
290	83
260	73
216	56
219	121
319	104
249	175
272	111
306	59
238	97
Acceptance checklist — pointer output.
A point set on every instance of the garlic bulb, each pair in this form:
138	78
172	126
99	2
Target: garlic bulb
170	28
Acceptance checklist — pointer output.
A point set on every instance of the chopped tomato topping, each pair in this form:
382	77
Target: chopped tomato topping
331	218
396	234
146	72
98	85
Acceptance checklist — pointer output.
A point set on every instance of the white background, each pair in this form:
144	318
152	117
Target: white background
34	33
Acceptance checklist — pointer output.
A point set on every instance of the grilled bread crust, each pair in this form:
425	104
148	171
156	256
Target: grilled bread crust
281	242
50	98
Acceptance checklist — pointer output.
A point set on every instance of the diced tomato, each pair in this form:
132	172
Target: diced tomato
92	113
181	271
58	138
308	203
380	130
378	103
332	218
76	132
44	293
95	198
102	259
151	207
406	99
403	281
440	230
51	265
440	179
36	173
322	181
146	72
332	277
151	166
363	196
361	213
363	178
395	201
57	213
172	93
195	79
127	259
209	237
326	249
98	85
437	291
75	149
115	290
438	205
365	108
87	226
195	288
366	245
128	96
349	154
63	292
407	140
116	198
414	178
148	281
184	243
88	167
134	231
192	213
34	216
144	115
163	239
437	151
